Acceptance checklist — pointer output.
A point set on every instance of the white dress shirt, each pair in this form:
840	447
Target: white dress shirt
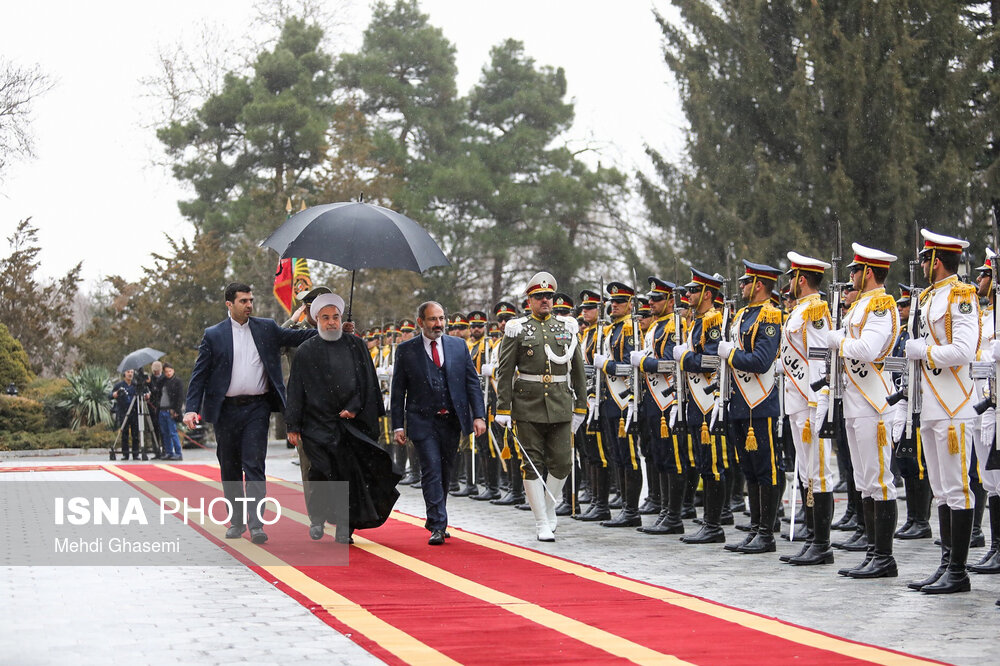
248	376
440	348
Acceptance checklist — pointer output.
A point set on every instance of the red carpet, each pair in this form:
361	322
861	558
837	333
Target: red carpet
479	600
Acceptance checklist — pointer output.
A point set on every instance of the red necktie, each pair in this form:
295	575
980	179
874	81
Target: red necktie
434	353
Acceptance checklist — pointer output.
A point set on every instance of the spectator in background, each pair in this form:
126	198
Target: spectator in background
171	405
127	414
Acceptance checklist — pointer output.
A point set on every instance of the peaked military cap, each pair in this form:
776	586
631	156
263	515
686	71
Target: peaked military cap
699	279
459	321
307	296
541	283
759	271
940	243
905	293
493	330
644	310
620	290
563	303
988	264
589	299
660	287
867	256
407	326
477	318
524	306
504	308
800	262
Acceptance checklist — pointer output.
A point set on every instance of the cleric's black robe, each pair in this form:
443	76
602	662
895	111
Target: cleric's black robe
326	378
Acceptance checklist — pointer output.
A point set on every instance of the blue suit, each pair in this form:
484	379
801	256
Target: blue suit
241	423
436	406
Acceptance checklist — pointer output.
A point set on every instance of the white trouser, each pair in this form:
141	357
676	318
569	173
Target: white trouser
872	475
991	478
813	458
948	472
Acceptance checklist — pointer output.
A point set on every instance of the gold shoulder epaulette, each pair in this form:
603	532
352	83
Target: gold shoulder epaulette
962	293
711	318
816	310
881	302
924	294
769	314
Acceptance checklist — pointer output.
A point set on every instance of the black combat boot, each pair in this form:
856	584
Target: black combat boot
807	532
652	503
868	523
921	527
956	578
944	529
565	506
910	488
631	482
763	541
599	509
687	508
583	494
978	538
882	564
849	521
819	551
710	530
736	502
470	480
491	475
990	564
753	499
671	496
859	540
592	499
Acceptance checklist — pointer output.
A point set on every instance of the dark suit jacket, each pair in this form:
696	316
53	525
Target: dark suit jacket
214	366
411	388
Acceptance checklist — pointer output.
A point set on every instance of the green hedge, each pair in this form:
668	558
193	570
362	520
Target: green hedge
19	414
96	437
50	392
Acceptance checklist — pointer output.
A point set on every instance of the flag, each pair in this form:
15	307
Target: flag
283	284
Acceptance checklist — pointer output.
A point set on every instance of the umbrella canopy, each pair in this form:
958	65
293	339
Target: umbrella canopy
356	235
139	358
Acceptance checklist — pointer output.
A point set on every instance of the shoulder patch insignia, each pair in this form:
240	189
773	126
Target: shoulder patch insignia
965	307
880	313
770	330
714	334
819	323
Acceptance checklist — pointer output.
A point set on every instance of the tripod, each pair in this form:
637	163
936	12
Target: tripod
145	423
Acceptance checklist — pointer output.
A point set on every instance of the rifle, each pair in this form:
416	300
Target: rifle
913	369
680	423
598	349
834	421
723	377
993	460
637	344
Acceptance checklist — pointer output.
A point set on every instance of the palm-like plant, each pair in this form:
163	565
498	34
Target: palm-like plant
86	397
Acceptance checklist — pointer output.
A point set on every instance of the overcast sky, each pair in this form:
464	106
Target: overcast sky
94	193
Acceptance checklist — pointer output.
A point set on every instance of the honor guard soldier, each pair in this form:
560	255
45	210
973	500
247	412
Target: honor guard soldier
945	345
651	504
459	328
913	470
702	339
807	326
591	442
751	352
618	410
503	312
541	387
486	456
869	332
493	330
408	459
562	305
990	562
658	411
373	338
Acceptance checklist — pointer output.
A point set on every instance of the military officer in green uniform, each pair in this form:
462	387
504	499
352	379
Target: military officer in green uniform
541	386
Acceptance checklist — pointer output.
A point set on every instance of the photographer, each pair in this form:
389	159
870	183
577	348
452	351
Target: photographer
123	393
155	388
171	405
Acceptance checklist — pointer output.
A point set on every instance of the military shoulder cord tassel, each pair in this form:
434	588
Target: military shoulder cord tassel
952	440
807	432
505	454
880	434
751	440
621	427
706	437
664	430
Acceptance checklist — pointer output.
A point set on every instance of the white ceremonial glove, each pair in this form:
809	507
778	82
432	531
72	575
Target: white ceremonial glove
635	358
629	415
779	369
680	350
725	348
899	419
502	420
989	426
389	369
834	338
488	369
576	422
916	350
591	408
599	361
822	408
996	350
673	417
716	413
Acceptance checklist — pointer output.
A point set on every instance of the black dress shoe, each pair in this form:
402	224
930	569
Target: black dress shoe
707	534
257	535
236	531
919	529
688	512
315	532
437	538
759	544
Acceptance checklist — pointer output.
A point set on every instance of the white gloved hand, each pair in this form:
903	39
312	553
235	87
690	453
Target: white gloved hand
989	423
576	422
635	358
599	361
916	350
488	369
996	350
673	417
591	409
629	415
834	339
502	420
716	413
725	349
680	350
779	369
899	419
388	369
822	409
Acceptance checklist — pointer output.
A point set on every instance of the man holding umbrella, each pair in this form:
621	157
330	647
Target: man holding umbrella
235	385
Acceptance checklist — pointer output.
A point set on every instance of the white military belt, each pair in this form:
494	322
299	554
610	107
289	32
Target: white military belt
547	379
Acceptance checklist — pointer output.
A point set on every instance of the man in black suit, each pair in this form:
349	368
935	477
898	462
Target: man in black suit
436	392
235	385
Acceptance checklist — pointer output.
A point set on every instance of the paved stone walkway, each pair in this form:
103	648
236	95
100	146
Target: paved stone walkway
226	615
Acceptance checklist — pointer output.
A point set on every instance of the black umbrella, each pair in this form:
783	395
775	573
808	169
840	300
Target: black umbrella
139	358
356	235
